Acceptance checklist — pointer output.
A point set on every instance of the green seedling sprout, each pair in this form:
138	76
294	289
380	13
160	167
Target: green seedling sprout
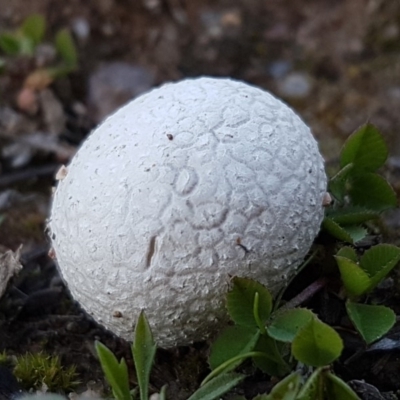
24	41
360	194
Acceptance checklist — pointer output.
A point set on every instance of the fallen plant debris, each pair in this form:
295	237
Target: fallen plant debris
9	267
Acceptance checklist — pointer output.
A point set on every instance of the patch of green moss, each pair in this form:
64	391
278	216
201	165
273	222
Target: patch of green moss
35	370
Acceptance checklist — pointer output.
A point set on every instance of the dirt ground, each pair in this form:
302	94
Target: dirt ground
336	62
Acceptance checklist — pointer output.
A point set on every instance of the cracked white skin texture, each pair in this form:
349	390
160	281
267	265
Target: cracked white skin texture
160	199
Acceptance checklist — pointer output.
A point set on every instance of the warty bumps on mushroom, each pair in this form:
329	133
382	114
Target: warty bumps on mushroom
179	190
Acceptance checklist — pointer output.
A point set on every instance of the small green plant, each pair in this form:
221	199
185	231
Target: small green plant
25	39
24	42
35	370
275	341
143	351
322	384
359	193
359	278
259	334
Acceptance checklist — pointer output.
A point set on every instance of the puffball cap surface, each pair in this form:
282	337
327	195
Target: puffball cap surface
179	190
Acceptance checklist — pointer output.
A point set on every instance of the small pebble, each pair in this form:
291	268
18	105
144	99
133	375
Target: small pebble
13	123
17	154
391	32
153	6
231	19
394	92
295	85
113	84
211	21
108	29
81	29
27	101
278	69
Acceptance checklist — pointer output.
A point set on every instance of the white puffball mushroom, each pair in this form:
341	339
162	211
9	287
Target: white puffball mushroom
181	189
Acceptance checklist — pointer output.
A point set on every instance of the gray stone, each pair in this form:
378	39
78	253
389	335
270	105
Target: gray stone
114	84
295	85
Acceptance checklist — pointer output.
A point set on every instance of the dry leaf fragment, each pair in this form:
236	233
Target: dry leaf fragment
61	173
9	266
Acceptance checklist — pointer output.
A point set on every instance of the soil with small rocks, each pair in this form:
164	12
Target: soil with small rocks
337	63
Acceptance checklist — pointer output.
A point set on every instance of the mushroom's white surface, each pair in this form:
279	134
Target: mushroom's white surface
184	187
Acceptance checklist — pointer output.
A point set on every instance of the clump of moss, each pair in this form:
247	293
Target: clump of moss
35	370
